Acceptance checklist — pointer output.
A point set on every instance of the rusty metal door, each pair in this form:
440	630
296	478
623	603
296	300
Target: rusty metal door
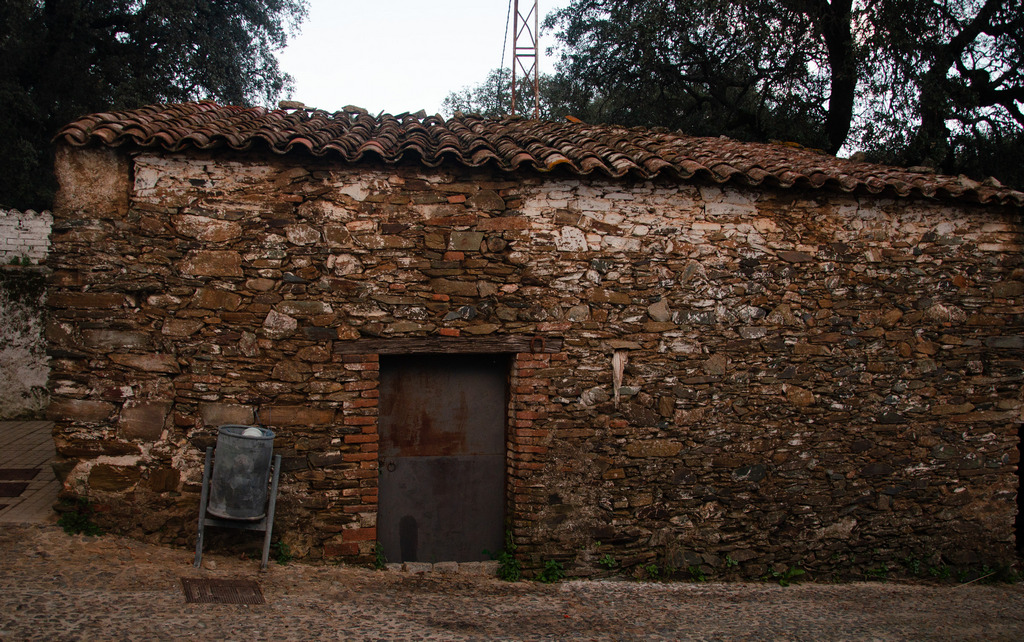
442	456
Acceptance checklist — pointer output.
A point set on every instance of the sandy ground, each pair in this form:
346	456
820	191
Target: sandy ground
59	587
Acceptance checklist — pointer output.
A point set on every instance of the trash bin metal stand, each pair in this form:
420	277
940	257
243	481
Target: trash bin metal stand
265	524
269	519
204	497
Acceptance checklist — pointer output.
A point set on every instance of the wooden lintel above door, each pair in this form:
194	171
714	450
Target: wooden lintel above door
505	343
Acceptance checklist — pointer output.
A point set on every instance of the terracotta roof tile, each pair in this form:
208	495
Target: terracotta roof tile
510	144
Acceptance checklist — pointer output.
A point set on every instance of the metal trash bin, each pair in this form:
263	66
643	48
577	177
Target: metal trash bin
238	487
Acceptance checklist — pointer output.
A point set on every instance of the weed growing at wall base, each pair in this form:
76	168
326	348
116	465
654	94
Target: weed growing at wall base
509	568
551	573
76	517
380	562
785	578
282	552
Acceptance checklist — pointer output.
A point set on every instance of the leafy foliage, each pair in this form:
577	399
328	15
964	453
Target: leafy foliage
76	517
64	58
282	552
551	573
785	578
380	561
509	568
913	82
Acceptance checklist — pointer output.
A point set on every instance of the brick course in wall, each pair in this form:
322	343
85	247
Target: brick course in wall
24	235
746	378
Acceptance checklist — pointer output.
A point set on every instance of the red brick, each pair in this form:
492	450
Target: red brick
362	439
359	421
341	549
540	450
526	432
449	332
526	465
529	414
361	403
359	456
354	386
361	473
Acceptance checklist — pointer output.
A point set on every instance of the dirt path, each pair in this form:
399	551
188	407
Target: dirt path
56	587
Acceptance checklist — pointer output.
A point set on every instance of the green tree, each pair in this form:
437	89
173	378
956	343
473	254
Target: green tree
492	97
954	72
918	82
60	59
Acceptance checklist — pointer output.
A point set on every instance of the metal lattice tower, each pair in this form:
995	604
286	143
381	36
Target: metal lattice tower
525	49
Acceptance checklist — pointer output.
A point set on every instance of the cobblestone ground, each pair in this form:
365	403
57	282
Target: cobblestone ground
59	587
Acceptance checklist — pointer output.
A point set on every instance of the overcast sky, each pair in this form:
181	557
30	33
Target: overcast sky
399	55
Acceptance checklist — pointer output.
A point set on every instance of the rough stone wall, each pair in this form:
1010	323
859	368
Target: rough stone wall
23	362
24	235
748	378
24	240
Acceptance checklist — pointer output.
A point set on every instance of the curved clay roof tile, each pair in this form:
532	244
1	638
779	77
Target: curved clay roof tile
509	143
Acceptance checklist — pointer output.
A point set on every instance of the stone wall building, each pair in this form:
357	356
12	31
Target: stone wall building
703	353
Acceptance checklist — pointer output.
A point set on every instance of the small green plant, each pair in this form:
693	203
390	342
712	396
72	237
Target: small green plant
509	568
785	578
730	562
913	565
696	574
941	572
282	552
380	562
76	517
551	573
652	571
607	561
878	573
25	261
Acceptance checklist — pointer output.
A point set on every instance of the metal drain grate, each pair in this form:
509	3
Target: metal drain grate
204	591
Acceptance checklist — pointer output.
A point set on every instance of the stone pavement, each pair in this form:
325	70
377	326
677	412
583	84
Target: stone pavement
59	587
27	447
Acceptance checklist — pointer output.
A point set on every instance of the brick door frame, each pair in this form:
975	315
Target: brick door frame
528	438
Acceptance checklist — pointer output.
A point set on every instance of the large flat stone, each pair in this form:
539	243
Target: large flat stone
144	420
212	263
